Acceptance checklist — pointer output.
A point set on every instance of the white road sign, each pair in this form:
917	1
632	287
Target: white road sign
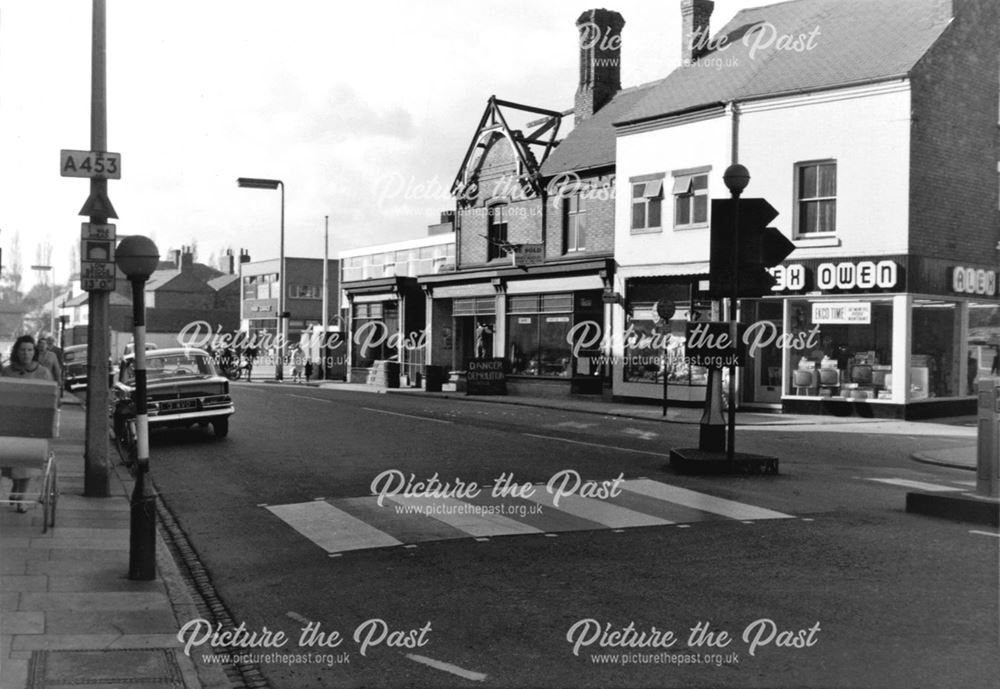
99	164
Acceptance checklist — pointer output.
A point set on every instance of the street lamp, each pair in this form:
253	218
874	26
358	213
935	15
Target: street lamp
52	320
257	183
138	257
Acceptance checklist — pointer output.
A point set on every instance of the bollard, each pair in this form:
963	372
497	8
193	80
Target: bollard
712	432
988	450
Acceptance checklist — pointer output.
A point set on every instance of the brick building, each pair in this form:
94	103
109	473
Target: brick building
872	127
534	225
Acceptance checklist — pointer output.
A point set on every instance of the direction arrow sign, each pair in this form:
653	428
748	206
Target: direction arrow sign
98	205
92	164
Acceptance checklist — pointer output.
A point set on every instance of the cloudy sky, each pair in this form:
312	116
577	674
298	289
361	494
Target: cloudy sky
363	109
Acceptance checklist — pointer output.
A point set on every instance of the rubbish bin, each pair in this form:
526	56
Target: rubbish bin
988	460
433	378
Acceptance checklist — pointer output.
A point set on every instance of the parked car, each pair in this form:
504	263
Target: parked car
74	368
183	388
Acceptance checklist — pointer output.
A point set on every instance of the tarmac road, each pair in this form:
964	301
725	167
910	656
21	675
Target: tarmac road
843	587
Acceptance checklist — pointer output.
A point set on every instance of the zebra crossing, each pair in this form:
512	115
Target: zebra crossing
339	525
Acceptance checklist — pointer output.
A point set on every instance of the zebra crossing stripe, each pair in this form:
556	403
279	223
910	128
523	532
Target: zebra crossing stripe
919	485
331	529
600	511
701	501
464	516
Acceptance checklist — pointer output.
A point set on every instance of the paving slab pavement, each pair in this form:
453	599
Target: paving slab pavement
69	614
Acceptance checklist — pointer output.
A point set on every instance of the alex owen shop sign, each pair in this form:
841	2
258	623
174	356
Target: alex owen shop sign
829	276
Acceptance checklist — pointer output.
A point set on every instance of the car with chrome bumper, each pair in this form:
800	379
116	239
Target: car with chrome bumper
183	388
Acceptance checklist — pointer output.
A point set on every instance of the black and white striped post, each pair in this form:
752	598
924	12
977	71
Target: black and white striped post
138	257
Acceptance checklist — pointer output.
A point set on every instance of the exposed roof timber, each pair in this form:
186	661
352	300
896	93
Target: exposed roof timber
493	119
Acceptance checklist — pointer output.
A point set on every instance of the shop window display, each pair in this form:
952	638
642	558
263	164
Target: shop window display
852	356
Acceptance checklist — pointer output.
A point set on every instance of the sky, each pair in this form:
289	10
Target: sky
364	110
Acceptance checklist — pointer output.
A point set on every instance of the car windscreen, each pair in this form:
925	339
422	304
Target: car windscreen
170	366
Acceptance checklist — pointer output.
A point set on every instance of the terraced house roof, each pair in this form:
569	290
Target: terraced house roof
799	46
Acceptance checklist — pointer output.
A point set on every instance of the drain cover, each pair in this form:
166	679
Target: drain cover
108	669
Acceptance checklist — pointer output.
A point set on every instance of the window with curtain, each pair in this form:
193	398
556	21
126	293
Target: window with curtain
816	190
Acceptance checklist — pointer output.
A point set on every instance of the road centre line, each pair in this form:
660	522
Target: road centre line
606	447
447	667
409	416
984	533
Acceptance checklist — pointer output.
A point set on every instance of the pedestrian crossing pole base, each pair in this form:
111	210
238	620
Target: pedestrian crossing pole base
701	462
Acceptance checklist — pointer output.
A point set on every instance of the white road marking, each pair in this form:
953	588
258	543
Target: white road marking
571	424
971	484
307	397
331	529
447	667
599	511
918	485
984	533
701	501
644	435
409	416
606	447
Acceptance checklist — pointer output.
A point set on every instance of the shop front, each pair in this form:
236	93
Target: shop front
652	344
528	319
386	326
897	336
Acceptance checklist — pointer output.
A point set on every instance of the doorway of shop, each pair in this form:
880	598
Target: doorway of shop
764	384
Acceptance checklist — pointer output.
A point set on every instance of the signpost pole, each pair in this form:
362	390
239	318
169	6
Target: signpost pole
96	469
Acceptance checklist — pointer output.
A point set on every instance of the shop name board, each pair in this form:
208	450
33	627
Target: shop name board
845	275
842	313
974	281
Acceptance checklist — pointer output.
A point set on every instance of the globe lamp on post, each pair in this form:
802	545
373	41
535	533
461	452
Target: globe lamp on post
137	257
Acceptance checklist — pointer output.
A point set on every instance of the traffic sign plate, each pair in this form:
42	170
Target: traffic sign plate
91	164
89	230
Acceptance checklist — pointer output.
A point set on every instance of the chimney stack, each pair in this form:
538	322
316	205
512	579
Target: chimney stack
695	30
600	34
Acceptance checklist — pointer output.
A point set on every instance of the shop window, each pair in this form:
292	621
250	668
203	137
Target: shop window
372	324
647	202
496	232
934	358
645	335
538	329
816	197
983	346
574	224
849	349
690	200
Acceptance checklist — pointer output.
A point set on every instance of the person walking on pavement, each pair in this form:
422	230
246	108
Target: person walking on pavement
23	364
46	357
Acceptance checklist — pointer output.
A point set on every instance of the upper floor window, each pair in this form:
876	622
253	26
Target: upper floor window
647	202
305	291
690	200
496	232
816	197
574	224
